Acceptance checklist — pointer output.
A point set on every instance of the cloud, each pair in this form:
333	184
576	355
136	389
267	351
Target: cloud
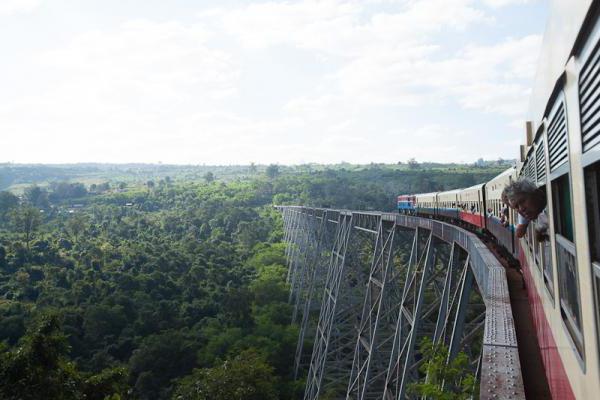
120	89
12	7
344	28
504	3
314	81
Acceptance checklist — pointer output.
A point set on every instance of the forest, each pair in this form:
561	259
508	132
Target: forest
169	283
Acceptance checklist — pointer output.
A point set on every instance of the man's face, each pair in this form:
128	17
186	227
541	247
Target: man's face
528	205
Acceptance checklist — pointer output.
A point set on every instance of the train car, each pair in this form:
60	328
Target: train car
447	204
426	204
501	219
472	205
562	155
406	203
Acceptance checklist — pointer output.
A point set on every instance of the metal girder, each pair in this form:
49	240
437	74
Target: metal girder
328	307
382	290
309	251
315	270
366	344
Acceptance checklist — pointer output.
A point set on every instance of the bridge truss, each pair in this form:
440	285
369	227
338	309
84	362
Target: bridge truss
367	287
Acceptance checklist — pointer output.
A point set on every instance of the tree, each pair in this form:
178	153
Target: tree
413	164
26	220
76	225
36	196
2	257
272	171
444	380
66	190
159	359
39	369
209	177
8	202
244	377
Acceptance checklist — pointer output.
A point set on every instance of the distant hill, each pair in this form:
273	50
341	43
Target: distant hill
15	177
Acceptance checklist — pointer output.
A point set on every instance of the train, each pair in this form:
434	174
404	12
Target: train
477	207
561	154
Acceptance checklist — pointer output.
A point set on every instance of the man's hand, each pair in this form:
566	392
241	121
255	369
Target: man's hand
521	230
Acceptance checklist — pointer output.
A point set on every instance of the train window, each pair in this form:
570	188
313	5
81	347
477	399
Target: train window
569	290
592	193
563	213
544	258
566	257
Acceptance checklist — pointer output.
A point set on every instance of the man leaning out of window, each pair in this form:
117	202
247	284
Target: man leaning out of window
530	203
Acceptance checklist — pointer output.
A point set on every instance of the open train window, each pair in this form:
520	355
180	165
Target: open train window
592	193
566	257
563	213
544	257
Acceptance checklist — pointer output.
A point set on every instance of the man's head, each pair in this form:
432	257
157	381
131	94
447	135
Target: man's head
525	197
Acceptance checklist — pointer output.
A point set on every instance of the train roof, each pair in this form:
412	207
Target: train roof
504	174
474	187
565	21
453	191
430	194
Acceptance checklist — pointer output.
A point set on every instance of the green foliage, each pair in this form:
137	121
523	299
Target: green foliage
36	196
8	202
61	191
39	369
444	380
161	275
246	376
209	177
272	171
26	220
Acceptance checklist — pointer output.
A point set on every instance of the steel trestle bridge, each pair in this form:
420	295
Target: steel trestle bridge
366	287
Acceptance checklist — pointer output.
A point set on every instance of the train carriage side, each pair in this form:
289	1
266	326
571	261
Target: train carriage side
448	204
426	204
472	207
500	219
562	273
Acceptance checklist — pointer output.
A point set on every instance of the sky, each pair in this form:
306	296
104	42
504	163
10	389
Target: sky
289	82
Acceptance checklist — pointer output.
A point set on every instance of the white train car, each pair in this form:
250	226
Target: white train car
562	154
501	219
447	203
426	204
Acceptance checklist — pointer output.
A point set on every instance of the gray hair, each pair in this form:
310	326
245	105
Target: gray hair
522	186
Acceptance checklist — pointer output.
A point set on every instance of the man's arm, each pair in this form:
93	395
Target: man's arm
522	224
